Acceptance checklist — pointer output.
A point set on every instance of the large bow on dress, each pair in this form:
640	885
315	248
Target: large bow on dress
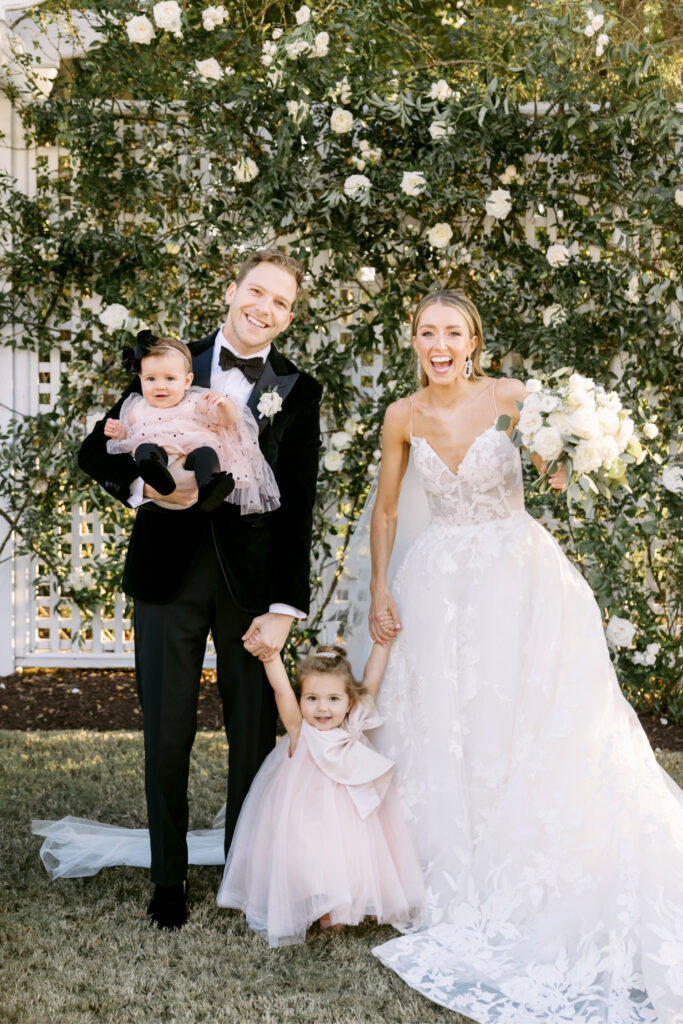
345	756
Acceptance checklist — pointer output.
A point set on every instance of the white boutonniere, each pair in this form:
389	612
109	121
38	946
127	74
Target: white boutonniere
269	404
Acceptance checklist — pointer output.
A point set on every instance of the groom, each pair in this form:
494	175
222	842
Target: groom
243	578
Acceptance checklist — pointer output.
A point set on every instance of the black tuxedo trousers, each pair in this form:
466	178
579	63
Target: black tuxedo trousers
170	641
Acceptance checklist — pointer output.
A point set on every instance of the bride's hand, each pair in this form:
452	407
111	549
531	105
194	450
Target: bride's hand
558	481
384	619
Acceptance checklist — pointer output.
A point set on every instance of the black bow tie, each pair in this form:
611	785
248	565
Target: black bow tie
251	368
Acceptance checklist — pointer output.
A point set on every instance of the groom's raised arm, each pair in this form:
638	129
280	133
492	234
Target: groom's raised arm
115	473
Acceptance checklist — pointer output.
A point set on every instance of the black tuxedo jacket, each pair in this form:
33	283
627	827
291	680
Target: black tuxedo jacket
265	557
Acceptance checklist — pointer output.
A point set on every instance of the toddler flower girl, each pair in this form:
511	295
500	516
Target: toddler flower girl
321	835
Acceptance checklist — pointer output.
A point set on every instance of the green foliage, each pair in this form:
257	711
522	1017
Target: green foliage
150	211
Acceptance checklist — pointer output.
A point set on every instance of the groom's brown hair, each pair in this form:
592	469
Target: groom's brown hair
278	259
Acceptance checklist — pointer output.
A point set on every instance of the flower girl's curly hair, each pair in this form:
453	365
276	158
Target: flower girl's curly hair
331	660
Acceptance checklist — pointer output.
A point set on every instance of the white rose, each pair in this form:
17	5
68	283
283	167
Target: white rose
114	316
167	15
140	30
549	402
559	420
608	420
438	129
553	315
498	204
597	21
650	430
277	32
321	45
269	404
440	91
589	31
625	432
358	163
587	457
209	69
602	40
530	421
547	442
632	293
509	174
299	46
672	479
583	422
213	16
608	449
678	196
532	402
341	120
333	461
413	183
485	359
533	386
620	632
577	382
440	235
245	169
558	255
351	425
356	185
340	440
303	15
595	253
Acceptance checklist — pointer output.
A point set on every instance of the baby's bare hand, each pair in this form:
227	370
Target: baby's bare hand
114	429
213	398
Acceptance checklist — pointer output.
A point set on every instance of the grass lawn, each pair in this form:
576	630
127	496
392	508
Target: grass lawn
77	951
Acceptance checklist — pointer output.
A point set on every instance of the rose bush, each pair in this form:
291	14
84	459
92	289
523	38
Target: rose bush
169	176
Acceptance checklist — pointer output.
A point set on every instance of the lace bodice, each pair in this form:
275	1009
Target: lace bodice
486	486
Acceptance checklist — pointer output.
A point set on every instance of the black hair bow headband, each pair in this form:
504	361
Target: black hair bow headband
131	358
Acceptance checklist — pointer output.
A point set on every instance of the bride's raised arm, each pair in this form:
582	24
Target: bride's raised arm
395	454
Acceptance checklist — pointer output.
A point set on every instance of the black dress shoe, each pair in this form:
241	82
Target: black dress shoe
215	491
168	906
154	473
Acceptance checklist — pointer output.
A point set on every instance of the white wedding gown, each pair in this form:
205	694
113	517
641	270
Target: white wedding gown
552	842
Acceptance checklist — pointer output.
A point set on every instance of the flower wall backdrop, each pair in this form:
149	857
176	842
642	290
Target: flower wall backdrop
527	154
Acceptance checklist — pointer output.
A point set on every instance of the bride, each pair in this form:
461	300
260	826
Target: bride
551	841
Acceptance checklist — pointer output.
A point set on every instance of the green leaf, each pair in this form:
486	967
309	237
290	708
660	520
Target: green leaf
503	423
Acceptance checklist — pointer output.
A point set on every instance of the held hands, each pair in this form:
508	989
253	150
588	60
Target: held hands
267	635
384	619
115	429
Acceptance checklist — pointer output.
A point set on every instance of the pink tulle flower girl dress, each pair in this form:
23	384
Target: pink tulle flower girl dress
321	834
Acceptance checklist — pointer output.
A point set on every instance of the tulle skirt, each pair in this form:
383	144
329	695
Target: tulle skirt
301	851
551	840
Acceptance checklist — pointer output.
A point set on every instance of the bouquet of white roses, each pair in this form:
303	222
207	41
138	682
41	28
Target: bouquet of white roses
579	423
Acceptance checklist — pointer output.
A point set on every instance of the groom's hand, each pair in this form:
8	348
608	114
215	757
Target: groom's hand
185	492
267	635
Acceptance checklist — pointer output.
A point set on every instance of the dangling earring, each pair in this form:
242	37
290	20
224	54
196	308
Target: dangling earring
467	373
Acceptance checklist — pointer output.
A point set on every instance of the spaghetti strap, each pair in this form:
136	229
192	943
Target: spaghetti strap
493	396
411	415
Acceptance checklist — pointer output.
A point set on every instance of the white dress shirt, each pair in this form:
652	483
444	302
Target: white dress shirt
233	384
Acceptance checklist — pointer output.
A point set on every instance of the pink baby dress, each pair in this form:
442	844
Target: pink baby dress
191	424
322	832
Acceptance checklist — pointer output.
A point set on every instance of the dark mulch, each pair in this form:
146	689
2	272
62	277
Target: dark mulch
81	698
103	700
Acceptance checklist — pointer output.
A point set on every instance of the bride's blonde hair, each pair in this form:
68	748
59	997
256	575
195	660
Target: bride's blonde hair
459	301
